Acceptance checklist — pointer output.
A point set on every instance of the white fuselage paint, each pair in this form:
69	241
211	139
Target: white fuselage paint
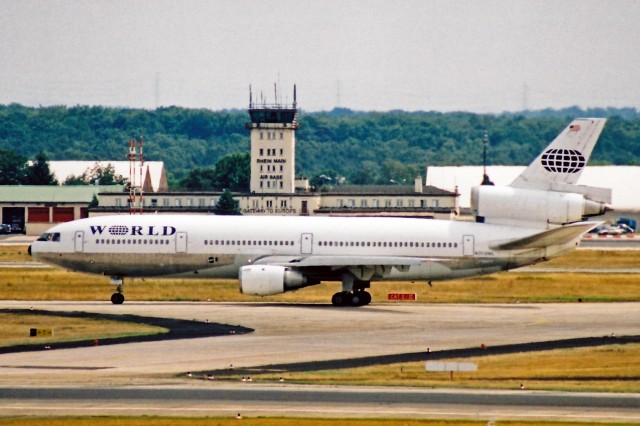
202	246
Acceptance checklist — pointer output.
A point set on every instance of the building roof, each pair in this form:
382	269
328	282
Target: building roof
384	190
53	193
154	175
621	179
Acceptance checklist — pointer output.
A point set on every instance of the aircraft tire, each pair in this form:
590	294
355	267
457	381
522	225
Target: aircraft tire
366	298
340	299
356	299
360	298
117	298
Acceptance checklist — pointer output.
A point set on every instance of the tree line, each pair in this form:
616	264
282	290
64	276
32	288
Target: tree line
205	149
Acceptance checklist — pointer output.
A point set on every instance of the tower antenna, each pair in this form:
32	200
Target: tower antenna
275	92
295	101
485	176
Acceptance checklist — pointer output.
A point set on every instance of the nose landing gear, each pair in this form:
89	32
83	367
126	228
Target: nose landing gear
117	298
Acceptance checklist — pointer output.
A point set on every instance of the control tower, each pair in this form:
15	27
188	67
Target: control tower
273	146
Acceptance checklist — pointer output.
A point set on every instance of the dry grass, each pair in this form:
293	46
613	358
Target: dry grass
614	368
277	421
597	259
512	287
14	329
14	254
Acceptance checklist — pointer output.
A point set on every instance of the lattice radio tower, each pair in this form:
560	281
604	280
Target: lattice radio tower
136	164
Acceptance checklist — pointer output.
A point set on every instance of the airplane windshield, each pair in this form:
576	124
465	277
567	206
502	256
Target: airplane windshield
50	236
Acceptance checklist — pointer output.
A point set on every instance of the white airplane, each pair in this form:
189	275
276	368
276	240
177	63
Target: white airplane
538	217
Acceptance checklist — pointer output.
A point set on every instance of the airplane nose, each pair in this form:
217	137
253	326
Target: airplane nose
29	250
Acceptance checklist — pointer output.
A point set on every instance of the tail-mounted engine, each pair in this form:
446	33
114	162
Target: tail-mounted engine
532	207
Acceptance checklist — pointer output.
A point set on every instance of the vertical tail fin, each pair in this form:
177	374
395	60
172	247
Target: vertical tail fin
564	159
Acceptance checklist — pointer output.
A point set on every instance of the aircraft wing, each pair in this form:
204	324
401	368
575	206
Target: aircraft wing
340	261
556	236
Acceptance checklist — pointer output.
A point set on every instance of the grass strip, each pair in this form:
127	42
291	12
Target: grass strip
606	368
271	421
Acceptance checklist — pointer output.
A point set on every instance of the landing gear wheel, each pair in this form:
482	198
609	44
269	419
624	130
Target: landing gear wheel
117	298
356	299
341	299
360	298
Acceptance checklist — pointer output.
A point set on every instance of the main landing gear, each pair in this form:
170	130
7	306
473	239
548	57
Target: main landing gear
117	298
347	298
353	292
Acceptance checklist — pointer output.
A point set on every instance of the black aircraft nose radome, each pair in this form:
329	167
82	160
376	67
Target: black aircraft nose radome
29	250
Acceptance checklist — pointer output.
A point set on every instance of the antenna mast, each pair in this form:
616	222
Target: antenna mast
136	165
485	177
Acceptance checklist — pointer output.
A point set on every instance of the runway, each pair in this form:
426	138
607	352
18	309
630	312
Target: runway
146	375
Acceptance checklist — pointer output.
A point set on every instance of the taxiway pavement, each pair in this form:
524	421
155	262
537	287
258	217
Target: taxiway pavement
290	333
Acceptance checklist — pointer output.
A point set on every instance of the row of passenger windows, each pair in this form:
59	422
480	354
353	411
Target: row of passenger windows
247	243
387	244
132	241
333	243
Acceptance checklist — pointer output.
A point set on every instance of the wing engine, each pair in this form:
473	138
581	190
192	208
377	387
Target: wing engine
266	280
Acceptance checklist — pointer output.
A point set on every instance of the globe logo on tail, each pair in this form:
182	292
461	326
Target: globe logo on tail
563	160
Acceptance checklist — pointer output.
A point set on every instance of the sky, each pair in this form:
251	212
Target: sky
484	56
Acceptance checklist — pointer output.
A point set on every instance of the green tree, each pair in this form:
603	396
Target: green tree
100	175
233	172
12	168
365	174
38	173
227	205
94	202
199	179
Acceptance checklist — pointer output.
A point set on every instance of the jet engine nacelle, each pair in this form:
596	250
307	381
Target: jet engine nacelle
266	280
530	207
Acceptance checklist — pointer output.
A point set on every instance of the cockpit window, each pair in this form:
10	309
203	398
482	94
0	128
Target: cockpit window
50	236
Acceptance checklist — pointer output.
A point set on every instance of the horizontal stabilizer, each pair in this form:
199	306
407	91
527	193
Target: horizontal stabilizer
551	237
601	195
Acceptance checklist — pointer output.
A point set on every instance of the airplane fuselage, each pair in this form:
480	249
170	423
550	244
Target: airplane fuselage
218	246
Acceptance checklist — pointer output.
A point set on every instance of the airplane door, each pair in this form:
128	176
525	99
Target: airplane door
79	241
468	245
181	242
306	243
